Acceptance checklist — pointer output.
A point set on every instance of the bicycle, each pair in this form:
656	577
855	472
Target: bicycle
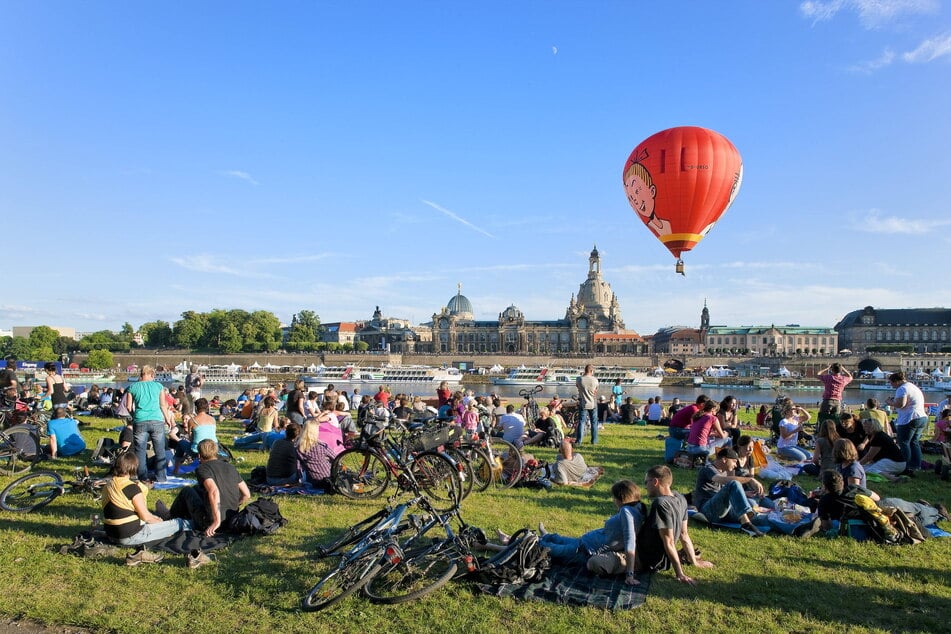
365	470
19	449
396	571
530	408
36	490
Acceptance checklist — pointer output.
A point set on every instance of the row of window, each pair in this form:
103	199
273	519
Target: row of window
907	335
790	341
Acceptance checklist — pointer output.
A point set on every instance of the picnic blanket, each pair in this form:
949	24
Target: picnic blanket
590	476
300	489
95	544
573	585
174	482
697	516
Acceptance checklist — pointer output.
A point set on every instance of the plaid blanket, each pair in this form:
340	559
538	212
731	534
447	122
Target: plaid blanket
573	585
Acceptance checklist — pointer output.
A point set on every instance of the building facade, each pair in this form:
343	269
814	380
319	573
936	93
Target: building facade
900	329
592	324
771	341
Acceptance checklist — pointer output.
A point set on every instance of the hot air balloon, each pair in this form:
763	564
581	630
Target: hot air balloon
680	181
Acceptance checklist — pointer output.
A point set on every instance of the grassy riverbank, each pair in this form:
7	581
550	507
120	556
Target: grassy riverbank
776	584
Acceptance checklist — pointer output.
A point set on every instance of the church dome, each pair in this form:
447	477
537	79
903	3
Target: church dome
512	313
460	305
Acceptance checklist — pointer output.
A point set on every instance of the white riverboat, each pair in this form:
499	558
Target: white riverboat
535	375
395	374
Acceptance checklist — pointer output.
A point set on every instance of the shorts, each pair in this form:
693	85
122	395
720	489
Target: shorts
608	564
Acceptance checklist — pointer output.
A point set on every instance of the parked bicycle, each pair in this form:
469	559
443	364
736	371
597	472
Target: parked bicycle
366	470
530	408
36	490
19	449
394	557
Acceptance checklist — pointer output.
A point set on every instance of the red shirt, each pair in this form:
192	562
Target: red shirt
383	398
834	384
683	416
444	396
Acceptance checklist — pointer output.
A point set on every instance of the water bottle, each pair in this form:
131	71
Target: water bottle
94	522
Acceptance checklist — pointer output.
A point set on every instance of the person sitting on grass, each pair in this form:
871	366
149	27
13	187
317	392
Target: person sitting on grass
823	456
126	517
665	526
883	455
545	428
720	497
791	425
705	434
315	456
618	537
570	467
837	496
219	494
283	463
942	427
847	462
65	439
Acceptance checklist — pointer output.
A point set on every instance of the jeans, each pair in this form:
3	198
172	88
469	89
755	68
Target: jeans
708	448
155	532
279	482
680	433
587	416
794	453
564	550
927	515
142	432
728	505
296	417
909	436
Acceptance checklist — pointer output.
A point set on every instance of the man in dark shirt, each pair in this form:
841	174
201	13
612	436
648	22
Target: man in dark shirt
721	497
219	494
282	463
8	375
666	524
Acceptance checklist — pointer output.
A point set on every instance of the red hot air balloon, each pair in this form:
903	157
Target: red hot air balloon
680	181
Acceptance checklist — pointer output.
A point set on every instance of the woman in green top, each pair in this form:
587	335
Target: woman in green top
146	400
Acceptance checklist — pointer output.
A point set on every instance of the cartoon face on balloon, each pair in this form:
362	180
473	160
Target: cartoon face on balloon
641	193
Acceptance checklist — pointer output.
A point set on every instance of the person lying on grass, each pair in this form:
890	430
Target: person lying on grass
618	537
837	496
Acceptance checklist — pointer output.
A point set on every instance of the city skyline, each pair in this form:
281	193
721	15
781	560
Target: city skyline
158	159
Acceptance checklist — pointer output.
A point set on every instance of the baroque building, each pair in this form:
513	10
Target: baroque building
592	325
911	329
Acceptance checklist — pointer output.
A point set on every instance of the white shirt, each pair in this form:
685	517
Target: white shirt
915	405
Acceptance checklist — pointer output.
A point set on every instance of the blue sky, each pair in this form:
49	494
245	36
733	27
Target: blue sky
161	157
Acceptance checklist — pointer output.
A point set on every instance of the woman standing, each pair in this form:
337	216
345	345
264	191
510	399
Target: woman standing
146	400
55	386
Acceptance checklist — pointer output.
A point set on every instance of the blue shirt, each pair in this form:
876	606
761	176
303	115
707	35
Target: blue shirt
618	535
68	440
853	470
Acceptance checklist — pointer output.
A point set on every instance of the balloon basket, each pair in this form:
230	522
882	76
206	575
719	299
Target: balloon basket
679	267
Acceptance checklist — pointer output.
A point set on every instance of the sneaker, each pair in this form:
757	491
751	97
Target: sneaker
700	518
808	530
196	559
143	556
942	511
751	530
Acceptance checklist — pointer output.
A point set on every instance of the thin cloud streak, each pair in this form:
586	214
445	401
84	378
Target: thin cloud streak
239	175
457	218
930	50
875	222
872	13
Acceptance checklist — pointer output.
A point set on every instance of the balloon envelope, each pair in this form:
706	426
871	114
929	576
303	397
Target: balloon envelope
680	181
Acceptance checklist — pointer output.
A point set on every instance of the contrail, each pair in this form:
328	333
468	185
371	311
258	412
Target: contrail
457	218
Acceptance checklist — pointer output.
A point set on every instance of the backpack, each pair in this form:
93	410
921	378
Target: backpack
788	489
908	528
524	560
261	517
863	517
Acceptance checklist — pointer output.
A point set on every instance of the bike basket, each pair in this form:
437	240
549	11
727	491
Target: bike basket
431	438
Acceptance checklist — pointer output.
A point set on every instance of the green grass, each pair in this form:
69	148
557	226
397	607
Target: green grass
775	584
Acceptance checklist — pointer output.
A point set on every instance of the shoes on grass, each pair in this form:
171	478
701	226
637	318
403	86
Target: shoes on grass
751	530
143	556
197	559
808	530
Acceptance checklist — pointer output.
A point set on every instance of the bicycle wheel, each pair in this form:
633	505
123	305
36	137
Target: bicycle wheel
359	474
466	477
31	492
438	478
420	572
19	450
512	462
481	467
341	582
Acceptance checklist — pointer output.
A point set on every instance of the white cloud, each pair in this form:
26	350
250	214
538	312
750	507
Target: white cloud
874	222
204	263
239	175
456	217
930	50
885	59
872	13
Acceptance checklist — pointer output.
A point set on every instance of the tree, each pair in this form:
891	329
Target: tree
305	327
42	340
100	359
361	346
189	330
230	339
156	334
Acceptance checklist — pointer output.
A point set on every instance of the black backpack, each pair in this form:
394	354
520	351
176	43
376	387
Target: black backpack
261	517
524	560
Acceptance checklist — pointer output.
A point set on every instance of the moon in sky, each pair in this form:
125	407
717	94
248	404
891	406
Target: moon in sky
554	50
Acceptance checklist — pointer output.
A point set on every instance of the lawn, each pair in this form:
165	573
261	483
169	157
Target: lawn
774	584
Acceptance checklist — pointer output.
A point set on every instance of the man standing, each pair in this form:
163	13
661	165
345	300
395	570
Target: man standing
834	378
193	383
587	402
720	497
146	400
219	494
909	404
666	524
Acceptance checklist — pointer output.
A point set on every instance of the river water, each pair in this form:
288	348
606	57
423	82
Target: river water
808	398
